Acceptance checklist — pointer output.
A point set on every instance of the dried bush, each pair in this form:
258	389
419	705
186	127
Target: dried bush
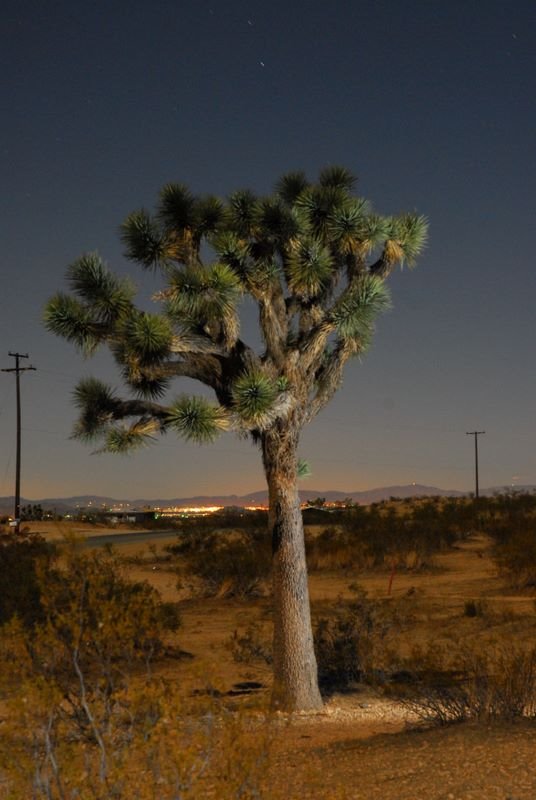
157	745
384	534
84	715
476	608
484	683
515	557
332	550
510	519
348	642
96	627
507	514
249	645
20	591
229	563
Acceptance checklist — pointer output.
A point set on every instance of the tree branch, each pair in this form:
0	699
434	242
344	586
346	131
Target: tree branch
329	376
205	368
383	267
215	370
312	346
274	323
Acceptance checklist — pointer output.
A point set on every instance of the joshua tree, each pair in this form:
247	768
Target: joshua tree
314	258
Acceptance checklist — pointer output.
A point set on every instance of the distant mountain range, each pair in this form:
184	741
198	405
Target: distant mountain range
64	505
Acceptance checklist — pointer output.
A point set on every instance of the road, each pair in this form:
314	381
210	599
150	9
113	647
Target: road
129	537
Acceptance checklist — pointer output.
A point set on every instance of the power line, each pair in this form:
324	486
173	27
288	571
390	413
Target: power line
17	369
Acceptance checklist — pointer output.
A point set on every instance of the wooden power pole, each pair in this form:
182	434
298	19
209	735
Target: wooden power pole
476	434
17	369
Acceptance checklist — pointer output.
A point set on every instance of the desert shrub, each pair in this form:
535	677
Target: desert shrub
508	513
510	519
230	564
347	640
323	516
20	590
89	599
497	681
385	534
515	557
97	627
470	608
156	744
475	608
249	645
85	716
331	550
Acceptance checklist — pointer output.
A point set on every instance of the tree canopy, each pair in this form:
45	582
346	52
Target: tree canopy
313	256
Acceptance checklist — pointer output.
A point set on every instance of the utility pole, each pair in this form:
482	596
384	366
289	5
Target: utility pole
17	369
476	434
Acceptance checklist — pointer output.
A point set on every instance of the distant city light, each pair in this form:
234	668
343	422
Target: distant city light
199	510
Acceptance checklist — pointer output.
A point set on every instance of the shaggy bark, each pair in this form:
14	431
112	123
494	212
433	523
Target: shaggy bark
295	671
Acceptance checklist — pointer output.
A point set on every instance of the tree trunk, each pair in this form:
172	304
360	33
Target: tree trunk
295	686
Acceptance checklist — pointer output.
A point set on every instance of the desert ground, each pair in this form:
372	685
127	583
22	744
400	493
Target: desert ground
366	743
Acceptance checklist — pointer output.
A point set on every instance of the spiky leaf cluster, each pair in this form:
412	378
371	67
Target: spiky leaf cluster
69	318
144	242
142	344
197	420
242	213
232	251
101	300
145	337
310	267
349	226
205	298
254	395
337	177
355	313
290	186
101	410
107	296
203	293
124	440
410	232
303	469
97	404
145	383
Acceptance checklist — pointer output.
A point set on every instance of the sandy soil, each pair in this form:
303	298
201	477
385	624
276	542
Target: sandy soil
465	762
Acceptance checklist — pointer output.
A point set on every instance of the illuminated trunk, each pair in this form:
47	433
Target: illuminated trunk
295	685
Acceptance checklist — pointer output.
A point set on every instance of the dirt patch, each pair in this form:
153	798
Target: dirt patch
458	763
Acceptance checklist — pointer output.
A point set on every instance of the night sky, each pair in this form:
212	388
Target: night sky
431	103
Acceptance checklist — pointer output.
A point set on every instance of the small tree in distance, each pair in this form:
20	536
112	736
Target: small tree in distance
314	258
